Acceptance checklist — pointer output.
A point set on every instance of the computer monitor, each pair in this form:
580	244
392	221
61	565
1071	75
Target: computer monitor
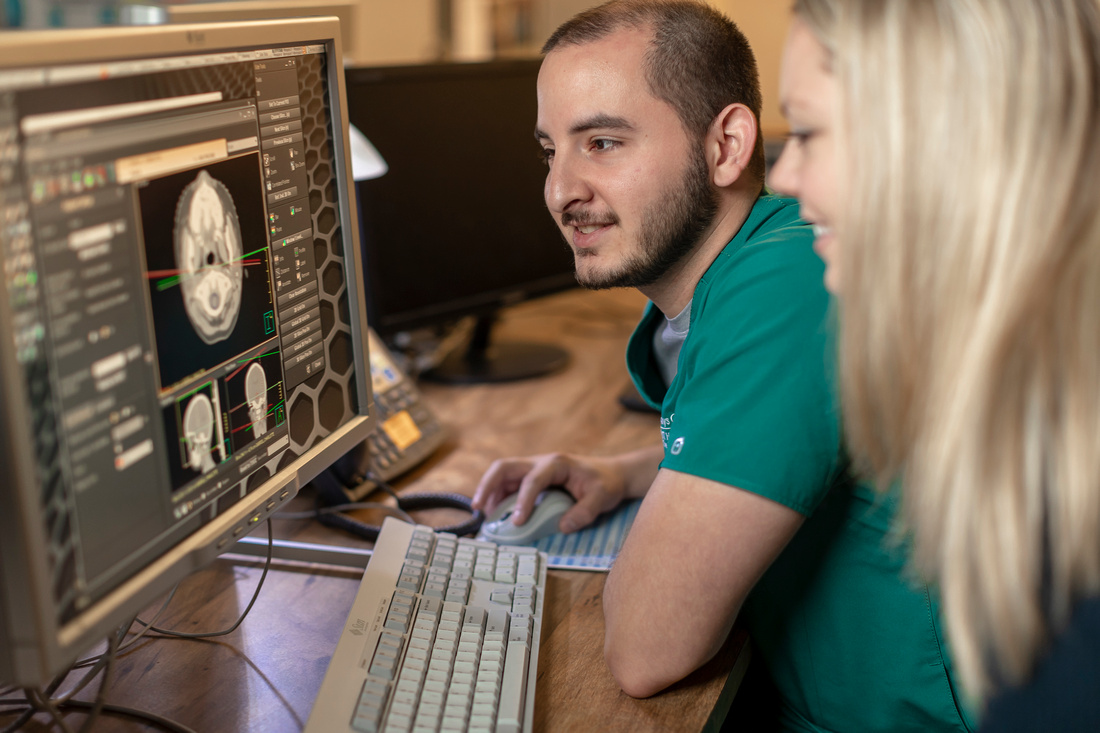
457	226
182	324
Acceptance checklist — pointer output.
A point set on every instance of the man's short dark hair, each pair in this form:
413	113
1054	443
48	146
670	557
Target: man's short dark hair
698	61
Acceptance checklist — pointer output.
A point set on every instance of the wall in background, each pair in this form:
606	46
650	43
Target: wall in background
409	31
763	23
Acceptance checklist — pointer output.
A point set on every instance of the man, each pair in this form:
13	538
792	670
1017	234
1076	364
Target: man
648	118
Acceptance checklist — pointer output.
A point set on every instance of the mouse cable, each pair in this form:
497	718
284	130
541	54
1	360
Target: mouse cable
406	503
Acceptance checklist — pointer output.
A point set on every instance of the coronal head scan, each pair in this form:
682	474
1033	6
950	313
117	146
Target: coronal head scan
255	390
198	433
208	255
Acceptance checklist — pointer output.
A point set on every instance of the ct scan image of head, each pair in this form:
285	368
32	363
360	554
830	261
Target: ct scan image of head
255	391
198	433
208	255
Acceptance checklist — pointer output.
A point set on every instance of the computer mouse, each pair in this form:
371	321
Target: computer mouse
549	506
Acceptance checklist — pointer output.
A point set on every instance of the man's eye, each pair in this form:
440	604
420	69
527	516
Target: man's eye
602	144
546	155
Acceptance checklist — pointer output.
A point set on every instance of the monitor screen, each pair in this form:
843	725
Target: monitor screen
182	310
457	226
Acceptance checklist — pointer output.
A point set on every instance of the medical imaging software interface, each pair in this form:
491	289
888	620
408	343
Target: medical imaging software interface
160	220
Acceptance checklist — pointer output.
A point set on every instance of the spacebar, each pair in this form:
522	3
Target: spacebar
512	688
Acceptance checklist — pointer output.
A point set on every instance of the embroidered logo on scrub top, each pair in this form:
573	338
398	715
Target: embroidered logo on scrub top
677	446
666	428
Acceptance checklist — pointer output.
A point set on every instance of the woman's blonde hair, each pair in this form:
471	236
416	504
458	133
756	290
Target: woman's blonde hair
970	304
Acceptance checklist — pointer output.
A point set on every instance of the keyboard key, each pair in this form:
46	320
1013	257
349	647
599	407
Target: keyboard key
462	573
384	664
398	723
458	591
430	607
497	621
513	686
484	722
367	723
527	571
397	620
474	617
520	628
483	572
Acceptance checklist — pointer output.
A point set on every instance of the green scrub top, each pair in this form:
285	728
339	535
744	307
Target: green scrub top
850	640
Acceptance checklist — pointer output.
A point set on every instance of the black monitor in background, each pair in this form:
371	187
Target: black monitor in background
182	323
457	226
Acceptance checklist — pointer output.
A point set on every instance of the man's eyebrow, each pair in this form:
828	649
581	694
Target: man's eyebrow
595	122
601	122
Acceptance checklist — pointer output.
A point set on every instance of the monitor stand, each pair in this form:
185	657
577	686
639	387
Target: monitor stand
485	361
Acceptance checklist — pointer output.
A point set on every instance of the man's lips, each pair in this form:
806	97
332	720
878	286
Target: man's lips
587	235
586	228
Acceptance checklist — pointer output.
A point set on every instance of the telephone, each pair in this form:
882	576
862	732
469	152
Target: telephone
406	433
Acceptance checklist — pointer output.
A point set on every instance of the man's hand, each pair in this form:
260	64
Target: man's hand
598	484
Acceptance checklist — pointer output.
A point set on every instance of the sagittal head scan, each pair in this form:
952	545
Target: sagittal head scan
255	391
198	432
208	255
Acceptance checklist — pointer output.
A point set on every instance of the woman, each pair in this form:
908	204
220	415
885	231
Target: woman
948	154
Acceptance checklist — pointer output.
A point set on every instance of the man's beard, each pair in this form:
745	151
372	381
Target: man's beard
670	229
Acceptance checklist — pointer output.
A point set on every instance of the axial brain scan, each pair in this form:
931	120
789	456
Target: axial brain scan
208	255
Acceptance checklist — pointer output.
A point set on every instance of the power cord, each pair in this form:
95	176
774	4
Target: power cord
42	700
210	634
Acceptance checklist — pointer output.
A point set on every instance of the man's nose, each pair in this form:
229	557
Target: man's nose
565	184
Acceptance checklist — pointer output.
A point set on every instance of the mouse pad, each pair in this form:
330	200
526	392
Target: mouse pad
594	547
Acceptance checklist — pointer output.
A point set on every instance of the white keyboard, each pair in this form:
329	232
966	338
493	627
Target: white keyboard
443	636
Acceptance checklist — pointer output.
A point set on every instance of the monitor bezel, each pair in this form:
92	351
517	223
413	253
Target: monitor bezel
248	10
36	645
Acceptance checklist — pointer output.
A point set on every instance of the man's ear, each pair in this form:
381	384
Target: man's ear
731	141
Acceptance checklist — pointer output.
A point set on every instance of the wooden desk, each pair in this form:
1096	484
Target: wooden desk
265	675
